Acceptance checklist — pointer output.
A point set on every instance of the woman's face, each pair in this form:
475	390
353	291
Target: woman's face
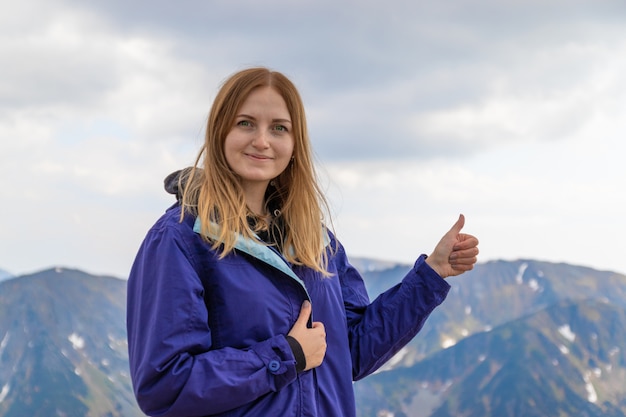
260	144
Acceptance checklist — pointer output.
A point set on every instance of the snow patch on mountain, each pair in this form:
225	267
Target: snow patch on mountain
567	333
519	278
76	341
448	342
592	396
4	392
4	343
534	285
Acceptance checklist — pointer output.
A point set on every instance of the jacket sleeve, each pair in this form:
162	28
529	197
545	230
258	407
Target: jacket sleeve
378	330
175	371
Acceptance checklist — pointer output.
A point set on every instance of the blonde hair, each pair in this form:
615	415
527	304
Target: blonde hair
213	192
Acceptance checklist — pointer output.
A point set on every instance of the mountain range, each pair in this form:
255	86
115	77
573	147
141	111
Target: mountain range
521	338
513	338
5	275
63	349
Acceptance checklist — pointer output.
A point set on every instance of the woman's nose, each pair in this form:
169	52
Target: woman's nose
261	139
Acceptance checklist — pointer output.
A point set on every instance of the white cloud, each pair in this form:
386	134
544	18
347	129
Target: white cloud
549	104
511	114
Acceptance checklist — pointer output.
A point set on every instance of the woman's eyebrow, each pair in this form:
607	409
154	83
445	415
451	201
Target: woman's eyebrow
277	120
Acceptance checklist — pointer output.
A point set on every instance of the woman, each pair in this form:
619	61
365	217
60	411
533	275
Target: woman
240	301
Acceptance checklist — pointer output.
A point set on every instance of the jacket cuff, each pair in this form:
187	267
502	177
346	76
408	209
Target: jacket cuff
298	353
437	281
278	359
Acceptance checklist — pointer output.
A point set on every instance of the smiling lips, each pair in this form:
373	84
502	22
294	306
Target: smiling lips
258	157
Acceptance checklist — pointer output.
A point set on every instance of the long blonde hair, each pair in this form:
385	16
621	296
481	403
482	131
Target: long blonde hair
213	191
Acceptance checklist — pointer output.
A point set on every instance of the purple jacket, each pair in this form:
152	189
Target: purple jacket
207	336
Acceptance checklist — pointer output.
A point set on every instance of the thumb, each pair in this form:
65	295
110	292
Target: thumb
305	313
456	229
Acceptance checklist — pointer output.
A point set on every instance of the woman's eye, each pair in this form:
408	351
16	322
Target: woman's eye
244	123
281	128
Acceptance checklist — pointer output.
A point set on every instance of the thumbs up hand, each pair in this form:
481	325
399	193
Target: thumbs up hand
311	339
455	253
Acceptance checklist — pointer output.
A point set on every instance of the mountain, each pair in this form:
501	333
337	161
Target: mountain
498	292
561	361
5	275
521	338
63	348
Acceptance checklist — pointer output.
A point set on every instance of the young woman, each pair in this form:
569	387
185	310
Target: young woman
241	302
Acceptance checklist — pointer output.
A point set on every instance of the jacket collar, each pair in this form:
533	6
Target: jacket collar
261	252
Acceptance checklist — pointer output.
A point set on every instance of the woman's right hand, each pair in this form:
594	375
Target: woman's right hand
312	340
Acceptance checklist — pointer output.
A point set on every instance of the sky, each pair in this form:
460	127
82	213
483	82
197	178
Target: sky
512	113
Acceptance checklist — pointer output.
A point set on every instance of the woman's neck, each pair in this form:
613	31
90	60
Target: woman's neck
255	198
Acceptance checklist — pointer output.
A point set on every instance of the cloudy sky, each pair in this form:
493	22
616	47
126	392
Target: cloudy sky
513	113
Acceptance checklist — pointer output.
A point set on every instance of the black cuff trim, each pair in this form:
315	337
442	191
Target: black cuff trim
298	353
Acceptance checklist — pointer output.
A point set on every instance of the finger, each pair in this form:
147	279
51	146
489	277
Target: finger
465	253
465	242
463	261
305	313
318	325
462	268
456	228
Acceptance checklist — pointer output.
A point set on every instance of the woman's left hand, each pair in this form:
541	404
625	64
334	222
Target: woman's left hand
455	253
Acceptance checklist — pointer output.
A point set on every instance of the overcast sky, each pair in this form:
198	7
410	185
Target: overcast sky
513	113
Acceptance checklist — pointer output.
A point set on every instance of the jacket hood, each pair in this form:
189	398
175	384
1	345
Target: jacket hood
175	182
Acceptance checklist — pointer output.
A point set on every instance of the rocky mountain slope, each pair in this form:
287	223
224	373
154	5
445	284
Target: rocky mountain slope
520	338
63	346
